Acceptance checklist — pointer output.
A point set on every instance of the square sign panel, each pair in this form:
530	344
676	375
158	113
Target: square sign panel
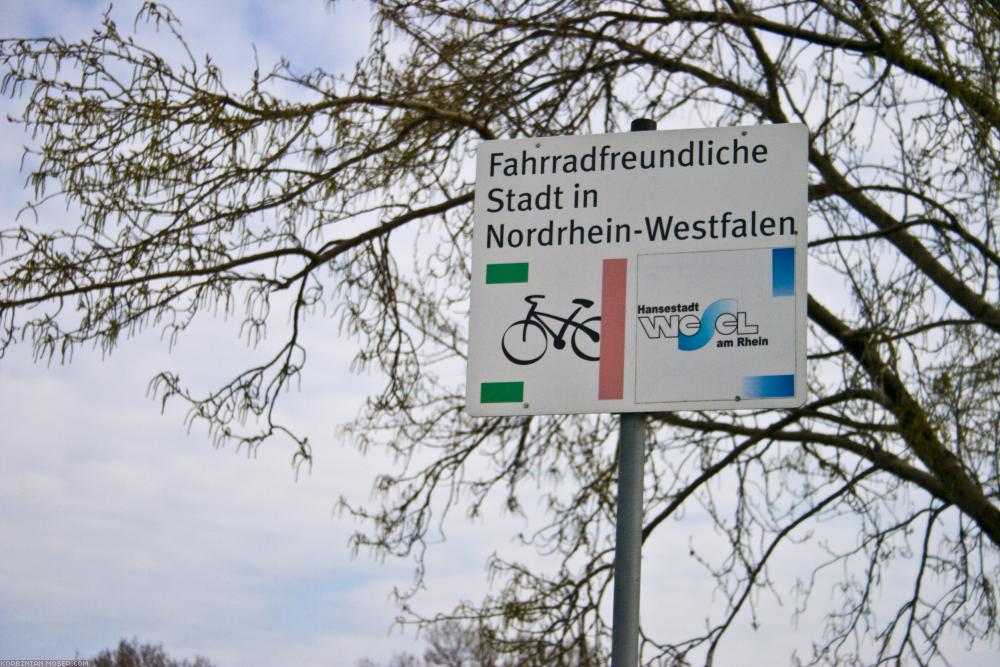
639	272
725	343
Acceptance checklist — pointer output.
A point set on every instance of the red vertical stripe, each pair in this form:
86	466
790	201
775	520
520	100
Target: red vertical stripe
611	367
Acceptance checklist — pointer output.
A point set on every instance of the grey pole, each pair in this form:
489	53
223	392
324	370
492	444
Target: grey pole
628	524
628	541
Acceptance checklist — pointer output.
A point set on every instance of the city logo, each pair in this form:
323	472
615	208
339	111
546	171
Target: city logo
694	328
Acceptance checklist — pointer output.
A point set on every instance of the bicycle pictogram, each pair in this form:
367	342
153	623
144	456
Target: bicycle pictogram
526	341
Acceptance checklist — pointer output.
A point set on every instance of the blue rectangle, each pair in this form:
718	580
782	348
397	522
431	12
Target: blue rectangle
783	271
768	386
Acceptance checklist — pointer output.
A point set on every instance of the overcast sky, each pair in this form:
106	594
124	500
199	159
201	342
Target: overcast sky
116	522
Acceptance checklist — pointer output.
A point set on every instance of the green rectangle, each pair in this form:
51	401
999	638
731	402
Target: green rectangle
507	273
501	392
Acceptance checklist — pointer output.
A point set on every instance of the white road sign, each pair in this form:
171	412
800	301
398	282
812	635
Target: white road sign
639	272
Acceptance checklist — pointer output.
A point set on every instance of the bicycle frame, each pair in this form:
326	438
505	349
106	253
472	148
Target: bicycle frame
558	338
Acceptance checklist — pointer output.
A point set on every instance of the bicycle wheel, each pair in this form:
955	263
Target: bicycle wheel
587	344
524	342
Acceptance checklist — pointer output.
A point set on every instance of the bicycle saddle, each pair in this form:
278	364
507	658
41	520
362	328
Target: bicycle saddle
586	303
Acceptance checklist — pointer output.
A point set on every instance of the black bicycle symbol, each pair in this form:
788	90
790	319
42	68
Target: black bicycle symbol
525	341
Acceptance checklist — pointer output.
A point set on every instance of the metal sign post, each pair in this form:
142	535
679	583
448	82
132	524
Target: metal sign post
628	524
628	541
607	266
